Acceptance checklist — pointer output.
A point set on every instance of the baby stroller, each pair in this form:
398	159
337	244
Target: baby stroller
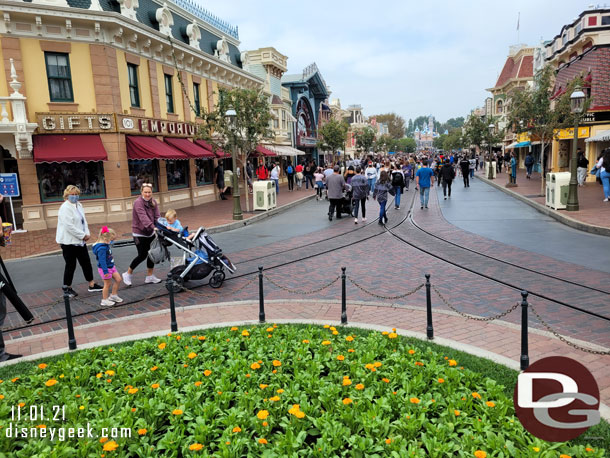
200	256
346	201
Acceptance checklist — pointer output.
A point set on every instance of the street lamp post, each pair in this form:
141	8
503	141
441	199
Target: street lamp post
490	175
231	115
577	100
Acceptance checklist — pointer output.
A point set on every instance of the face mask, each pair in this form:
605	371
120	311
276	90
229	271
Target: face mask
73	198
147	199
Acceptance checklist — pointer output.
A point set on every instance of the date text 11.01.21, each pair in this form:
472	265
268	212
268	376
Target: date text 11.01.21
38	413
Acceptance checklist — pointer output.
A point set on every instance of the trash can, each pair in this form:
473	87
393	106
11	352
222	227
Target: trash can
558	185
228	178
7	229
264	195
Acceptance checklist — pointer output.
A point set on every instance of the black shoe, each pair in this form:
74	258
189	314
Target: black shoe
421	207
69	292
330	217
445	197
95	288
339	217
426	206
9	356
380	223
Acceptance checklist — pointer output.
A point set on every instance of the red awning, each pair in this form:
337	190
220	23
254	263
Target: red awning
265	151
151	148
69	148
218	153
189	148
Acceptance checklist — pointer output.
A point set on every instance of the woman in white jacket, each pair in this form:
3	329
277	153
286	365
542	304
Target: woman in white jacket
72	235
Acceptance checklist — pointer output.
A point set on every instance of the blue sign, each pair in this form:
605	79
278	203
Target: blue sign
9	185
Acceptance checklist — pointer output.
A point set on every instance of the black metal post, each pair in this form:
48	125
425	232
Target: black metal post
343	298
525	359
71	338
172	304
261	296
429	328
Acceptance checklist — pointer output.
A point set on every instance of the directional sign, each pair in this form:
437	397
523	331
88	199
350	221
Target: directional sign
9	185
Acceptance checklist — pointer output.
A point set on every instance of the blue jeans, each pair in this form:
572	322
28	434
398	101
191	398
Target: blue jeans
277	185
382	214
605	176
424	195
359	203
308	181
398	190
371	183
471	173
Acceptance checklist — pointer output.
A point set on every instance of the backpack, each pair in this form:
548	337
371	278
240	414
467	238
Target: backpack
289	170
158	252
529	160
397	179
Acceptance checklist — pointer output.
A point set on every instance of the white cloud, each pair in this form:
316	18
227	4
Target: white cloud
410	57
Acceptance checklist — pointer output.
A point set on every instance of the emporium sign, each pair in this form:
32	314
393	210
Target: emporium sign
94	123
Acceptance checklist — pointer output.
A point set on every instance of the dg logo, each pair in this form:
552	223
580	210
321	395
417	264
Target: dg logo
557	399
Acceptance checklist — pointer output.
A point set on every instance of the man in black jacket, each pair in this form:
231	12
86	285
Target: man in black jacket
448	174
465	168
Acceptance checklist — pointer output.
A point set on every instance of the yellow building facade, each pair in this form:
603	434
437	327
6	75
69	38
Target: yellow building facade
105	101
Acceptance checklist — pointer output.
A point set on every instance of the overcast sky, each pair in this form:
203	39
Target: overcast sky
412	58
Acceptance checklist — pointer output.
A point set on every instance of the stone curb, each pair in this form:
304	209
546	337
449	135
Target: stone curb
571	222
211	230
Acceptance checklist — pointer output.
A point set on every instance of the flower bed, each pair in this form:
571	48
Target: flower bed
266	390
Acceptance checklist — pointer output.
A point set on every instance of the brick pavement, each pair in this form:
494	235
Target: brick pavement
208	215
592	209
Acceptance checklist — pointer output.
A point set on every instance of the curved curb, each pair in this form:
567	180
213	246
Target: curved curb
479	352
571	222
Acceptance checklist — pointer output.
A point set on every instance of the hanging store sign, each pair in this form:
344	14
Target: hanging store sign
74	123
147	126
568	134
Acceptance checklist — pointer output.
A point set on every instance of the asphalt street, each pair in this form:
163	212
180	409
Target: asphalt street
486	211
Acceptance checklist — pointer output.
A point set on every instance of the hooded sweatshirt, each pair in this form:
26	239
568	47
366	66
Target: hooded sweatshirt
103	254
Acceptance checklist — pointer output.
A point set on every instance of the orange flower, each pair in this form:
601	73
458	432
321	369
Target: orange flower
154	368
50	382
245	333
177	412
346	382
192	355
207	372
347	401
386	380
98	375
384	333
197	383
262	386
377	364
326	326
349	338
178	337
419	363
237	429
414	400
453	362
248	375
482	454
392	335
110	446
142	431
262	440
326	342
411	352
441	380
589	449
456	413
196	446
154	386
255	366
103	439
162	345
274	398
234	328
15	379
305	341
360	386
265	423
276	363
262	414
369	366
133	409
201	337
133	391
280	391
388	441
41	426
476	395
269	329
1	397
351	350
21	404
42	366
560	456
332	328
490	404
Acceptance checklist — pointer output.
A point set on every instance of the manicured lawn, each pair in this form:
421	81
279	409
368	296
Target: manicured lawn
287	390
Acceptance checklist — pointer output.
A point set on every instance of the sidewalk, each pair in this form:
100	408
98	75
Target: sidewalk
209	215
593	215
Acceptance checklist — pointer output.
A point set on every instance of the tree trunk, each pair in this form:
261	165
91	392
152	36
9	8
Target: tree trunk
245	172
542	169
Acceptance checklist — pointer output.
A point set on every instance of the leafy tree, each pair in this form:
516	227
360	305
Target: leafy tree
477	132
439	142
332	135
410	127
250	125
454	140
383	144
452	123
365	139
532	110
406	145
396	124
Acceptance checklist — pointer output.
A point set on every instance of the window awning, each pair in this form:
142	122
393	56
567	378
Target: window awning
218	153
603	136
151	148
284	150
512	145
190	148
523	144
261	150
68	148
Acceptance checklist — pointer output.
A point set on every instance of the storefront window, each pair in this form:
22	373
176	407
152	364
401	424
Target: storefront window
177	174
227	164
53	179
204	171
143	171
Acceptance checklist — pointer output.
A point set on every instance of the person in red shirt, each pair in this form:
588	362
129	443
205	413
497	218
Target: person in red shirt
261	172
299	176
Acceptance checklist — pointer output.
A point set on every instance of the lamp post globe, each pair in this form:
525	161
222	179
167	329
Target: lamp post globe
231	116
577	102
